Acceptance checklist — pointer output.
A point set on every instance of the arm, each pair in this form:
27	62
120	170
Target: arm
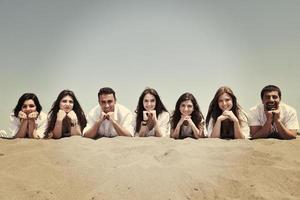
175	132
216	131
262	131
236	125
22	132
92	131
284	132
57	131
75	128
198	131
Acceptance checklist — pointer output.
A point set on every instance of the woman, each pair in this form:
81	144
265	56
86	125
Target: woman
66	117
225	118
27	120
187	119
152	117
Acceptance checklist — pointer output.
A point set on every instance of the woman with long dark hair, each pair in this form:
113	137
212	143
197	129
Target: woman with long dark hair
27	119
225	118
152	117
66	117
187	119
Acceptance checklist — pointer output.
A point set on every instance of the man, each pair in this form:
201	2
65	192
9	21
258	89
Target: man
272	118
108	119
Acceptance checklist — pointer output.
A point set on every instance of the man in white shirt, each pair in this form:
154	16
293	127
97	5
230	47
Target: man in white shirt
272	118
108	119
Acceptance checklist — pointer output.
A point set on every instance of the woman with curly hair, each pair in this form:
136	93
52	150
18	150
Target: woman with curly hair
66	117
152	117
225	118
187	119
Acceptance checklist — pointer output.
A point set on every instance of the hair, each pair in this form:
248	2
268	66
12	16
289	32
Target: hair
159	106
196	116
25	97
106	90
214	110
270	88
52	115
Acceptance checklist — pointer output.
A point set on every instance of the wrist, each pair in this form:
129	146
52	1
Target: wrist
143	123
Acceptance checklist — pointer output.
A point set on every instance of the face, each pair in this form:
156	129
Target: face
66	104
28	106
107	102
225	102
271	100
186	107
149	102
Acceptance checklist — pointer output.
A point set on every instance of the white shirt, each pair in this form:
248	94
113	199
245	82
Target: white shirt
243	125
121	115
40	122
163	121
288	116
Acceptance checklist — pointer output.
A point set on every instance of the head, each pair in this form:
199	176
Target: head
186	105
271	97
28	103
107	99
66	101
148	100
224	99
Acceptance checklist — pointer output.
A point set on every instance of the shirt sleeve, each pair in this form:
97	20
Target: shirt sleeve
164	124
90	122
41	125
253	119
244	126
292	122
127	123
14	126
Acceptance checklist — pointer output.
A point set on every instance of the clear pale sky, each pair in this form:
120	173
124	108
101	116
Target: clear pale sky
173	46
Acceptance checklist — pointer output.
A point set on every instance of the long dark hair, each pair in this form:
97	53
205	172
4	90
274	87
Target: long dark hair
23	98
214	110
159	106
197	116
55	108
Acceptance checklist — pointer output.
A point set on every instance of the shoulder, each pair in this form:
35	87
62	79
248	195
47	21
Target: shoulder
257	108
122	109
287	109
42	115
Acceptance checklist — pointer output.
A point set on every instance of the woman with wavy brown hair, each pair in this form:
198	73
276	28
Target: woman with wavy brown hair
152	117
66	117
187	119
225	118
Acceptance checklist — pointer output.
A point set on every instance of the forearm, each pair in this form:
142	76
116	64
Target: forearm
237	131
198	132
263	132
92	132
143	131
216	130
284	132
157	131
120	130
75	130
175	132
32	129
57	131
23	129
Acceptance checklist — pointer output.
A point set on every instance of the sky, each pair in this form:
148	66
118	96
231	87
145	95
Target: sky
174	46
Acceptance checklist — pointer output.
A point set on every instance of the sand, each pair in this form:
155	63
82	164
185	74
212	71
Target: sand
149	168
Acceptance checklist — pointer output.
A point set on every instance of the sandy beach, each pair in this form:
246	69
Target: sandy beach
149	168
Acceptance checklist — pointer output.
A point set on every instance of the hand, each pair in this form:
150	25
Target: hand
72	115
22	115
223	117
145	115
276	114
230	115
269	115
61	115
110	116
33	115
